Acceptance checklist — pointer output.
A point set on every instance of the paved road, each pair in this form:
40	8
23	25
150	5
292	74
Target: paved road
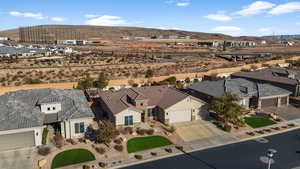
244	155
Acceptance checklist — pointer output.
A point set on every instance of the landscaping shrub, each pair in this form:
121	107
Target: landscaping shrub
129	130
141	132
172	129
73	142
118	141
119	148
153	153
139	157
179	148
169	150
291	125
227	128
276	128
44	150
150	131
260	132
100	150
102	165
44	136
251	133
268	130
86	167
59	141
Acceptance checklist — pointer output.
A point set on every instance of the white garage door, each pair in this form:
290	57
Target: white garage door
180	116
16	141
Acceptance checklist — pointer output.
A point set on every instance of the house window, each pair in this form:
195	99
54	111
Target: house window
128	120
79	128
151	112
142	104
53	108
48	109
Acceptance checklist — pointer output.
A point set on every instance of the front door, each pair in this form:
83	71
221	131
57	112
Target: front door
143	116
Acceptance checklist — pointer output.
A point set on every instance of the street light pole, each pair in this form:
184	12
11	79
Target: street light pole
270	154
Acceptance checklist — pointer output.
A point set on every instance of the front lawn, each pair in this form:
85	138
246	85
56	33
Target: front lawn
145	143
70	157
257	122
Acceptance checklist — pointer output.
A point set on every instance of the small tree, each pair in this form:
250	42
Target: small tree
102	81
106	132
187	80
85	83
149	73
227	108
196	80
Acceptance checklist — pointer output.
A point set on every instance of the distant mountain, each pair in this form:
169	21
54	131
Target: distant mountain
283	36
114	33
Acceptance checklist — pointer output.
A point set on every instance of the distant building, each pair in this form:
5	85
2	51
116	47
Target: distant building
4	38
219	43
287	43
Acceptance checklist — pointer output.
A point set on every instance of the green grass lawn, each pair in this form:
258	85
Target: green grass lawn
145	143
257	122
70	157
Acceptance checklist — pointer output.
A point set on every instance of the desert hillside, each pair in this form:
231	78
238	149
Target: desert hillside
114	33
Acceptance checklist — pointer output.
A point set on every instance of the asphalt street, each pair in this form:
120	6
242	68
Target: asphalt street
244	155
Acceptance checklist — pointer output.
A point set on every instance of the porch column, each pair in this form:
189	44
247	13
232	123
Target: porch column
279	102
259	104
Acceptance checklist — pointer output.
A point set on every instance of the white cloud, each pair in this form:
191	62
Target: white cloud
27	14
57	19
183	4
285	8
255	8
231	30
266	31
107	20
91	16
220	16
297	23
272	31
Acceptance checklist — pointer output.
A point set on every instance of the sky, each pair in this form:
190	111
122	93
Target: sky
232	17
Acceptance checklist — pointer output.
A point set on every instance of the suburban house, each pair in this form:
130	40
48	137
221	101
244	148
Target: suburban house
127	107
25	113
284	78
251	94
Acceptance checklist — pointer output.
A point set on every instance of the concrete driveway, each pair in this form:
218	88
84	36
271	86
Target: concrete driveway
286	112
16	159
197	130
200	133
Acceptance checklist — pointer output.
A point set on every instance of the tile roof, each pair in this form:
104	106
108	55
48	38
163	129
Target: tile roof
21	109
278	75
161	96
240	87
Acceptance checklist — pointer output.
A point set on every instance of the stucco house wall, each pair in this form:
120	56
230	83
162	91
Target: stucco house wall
188	104
120	117
68	127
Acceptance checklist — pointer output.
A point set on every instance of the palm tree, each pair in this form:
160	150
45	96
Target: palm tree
227	108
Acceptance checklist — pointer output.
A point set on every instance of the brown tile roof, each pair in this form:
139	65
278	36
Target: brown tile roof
161	96
276	75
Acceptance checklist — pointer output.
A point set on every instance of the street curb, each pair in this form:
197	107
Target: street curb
207	147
